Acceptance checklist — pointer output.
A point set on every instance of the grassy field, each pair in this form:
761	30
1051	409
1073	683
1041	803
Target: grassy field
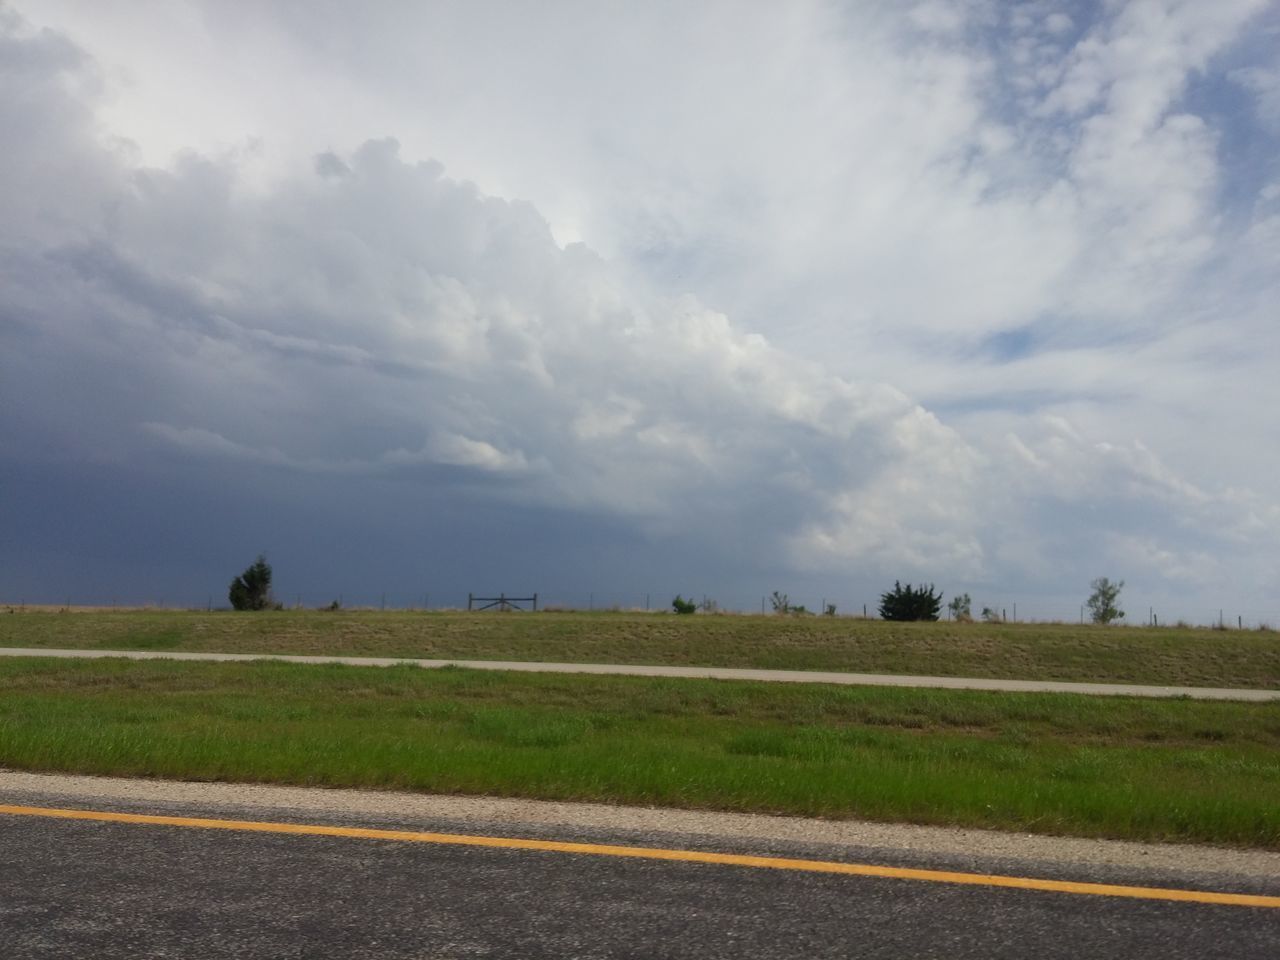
1142	769
1168	656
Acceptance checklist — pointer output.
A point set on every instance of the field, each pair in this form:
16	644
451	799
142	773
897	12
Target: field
1117	767
1142	769
1030	651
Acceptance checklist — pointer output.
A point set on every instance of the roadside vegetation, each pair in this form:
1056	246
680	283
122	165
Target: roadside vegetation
1117	767
1029	651
908	603
251	590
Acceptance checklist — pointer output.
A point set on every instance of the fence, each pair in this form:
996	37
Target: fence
1003	610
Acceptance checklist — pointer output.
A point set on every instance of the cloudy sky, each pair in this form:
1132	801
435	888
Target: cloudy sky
612	299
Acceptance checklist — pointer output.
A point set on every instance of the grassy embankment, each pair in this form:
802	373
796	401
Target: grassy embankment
1142	769
1166	656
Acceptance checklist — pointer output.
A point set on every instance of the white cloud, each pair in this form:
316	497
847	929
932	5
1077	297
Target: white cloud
1264	83
1190	568
450	448
798	232
1058	23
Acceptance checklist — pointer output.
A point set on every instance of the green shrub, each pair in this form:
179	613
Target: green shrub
681	605
905	603
252	589
1102	602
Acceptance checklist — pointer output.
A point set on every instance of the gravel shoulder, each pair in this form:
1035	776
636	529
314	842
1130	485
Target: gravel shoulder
487	813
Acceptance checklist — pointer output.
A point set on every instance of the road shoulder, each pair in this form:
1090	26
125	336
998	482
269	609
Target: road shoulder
490	814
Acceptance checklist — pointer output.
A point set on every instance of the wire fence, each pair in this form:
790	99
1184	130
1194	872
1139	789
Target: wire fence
999	611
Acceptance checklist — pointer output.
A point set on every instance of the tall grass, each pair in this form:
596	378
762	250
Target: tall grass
1143	769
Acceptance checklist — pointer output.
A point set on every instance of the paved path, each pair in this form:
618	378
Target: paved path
717	673
296	883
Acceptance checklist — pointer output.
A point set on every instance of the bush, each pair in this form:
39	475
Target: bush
961	607
681	605
905	603
252	589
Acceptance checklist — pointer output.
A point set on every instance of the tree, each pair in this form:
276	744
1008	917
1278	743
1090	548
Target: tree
961	607
252	589
681	605
1102	602
904	603
780	602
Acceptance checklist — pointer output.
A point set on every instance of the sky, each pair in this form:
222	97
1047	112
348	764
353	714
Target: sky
610	301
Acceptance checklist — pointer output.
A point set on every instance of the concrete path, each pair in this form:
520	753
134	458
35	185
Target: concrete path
717	673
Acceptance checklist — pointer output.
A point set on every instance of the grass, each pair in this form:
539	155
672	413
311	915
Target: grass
1141	769
1159	655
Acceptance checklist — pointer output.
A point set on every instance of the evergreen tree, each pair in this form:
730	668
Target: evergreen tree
252	589
905	603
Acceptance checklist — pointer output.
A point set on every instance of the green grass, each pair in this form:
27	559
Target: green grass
1119	767
1165	656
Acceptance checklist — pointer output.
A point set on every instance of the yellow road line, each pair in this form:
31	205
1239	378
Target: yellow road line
658	853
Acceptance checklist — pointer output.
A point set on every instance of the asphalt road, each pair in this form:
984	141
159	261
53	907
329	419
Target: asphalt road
106	890
718	673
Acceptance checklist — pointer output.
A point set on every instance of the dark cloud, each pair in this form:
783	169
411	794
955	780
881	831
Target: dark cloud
329	164
391	381
386	332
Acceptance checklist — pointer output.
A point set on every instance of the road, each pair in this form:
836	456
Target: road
111	888
718	673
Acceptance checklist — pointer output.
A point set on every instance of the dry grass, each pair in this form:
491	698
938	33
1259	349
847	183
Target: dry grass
1161	655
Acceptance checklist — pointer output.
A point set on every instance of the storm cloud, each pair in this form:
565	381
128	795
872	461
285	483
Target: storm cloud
720	362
